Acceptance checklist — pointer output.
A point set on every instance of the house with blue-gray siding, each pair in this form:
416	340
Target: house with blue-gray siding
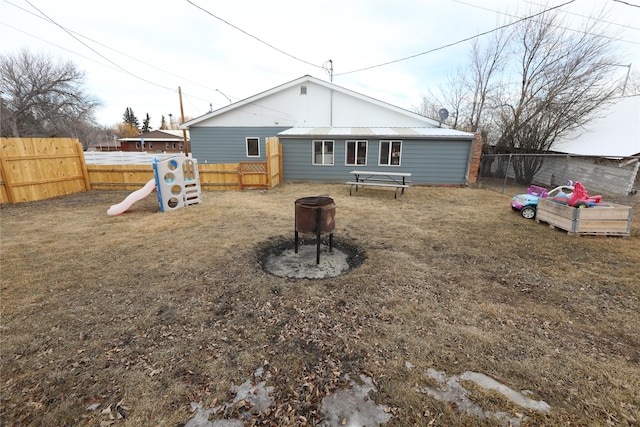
326	131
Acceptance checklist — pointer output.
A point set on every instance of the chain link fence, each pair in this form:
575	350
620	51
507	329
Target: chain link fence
600	175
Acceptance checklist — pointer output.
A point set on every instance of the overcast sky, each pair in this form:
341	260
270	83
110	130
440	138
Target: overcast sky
137	53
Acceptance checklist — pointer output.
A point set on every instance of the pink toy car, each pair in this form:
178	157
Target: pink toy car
527	204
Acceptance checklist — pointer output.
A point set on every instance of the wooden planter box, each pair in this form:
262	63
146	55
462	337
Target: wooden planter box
607	219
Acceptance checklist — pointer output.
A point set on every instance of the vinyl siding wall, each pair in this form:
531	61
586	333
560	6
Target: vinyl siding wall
228	144
429	161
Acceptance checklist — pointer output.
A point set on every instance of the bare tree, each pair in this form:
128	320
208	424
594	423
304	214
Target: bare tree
468	93
561	80
534	82
42	98
483	81
452	96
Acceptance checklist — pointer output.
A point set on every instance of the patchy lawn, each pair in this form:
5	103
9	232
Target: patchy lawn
127	320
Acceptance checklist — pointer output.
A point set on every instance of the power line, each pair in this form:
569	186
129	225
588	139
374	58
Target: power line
95	51
110	48
628	4
560	27
113	66
458	42
56	45
575	14
253	37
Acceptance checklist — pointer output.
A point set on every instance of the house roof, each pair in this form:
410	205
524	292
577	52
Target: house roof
301	80
391	132
615	133
157	135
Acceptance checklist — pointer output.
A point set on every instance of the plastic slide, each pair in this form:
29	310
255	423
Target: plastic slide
132	198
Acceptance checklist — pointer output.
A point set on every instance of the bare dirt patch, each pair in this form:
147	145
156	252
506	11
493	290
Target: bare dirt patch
127	320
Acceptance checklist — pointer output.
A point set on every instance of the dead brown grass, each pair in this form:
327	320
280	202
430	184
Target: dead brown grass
148	311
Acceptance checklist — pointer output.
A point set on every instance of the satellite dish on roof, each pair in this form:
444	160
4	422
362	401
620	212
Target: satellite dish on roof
443	113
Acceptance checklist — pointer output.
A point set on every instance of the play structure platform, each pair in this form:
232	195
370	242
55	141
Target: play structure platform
176	181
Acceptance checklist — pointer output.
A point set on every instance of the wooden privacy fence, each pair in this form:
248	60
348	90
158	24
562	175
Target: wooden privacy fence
40	168
252	174
223	176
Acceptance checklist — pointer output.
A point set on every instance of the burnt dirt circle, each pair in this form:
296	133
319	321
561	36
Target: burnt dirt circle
277	256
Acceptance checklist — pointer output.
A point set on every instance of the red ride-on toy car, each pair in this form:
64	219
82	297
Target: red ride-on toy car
580	198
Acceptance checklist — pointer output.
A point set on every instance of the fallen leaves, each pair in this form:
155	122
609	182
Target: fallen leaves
115	412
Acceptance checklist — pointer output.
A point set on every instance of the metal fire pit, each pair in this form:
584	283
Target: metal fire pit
315	215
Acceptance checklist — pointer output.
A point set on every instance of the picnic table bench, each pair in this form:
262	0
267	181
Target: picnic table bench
397	180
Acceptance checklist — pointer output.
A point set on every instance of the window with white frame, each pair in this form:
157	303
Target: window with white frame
253	147
323	153
390	153
356	153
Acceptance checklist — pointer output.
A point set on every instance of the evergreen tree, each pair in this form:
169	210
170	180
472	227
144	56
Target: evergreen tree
163	124
129	117
145	124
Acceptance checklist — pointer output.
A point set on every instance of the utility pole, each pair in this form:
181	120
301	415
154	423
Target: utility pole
328	67
187	149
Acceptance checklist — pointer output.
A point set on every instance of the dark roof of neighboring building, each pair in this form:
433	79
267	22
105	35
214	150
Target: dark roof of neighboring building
157	135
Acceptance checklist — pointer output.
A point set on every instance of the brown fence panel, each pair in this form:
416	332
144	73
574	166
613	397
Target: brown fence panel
119	177
4	196
41	168
274	161
132	177
253	175
219	176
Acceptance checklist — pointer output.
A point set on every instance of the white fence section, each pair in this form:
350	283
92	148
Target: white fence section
125	157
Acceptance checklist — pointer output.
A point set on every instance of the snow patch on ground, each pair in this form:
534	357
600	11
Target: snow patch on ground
345	407
450	390
352	407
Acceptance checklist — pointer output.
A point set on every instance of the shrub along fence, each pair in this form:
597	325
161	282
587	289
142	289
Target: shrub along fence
41	168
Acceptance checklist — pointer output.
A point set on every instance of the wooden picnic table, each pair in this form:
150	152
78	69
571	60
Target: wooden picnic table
397	180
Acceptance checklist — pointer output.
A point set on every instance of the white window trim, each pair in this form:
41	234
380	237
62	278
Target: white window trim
356	141
246	146
313	152
390	141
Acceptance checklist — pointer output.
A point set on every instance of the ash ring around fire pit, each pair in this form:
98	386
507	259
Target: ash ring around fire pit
278	257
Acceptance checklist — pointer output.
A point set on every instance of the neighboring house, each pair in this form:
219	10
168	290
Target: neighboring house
156	141
615	132
610	146
326	131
